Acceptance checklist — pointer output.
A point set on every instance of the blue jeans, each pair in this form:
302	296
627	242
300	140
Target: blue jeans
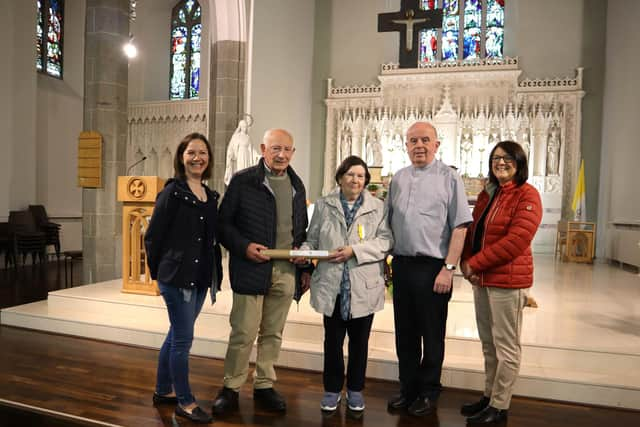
173	362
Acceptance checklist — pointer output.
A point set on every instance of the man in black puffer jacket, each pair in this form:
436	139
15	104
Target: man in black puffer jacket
263	207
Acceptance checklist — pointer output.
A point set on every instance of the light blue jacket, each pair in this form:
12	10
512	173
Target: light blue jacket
328	231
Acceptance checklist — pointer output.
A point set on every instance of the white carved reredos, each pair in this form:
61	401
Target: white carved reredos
156	128
473	106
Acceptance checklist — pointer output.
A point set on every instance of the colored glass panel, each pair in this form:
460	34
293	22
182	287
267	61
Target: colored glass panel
197	13
428	45
182	17
194	87
495	13
494	39
189	5
178	76
428	4
472	13
471	43
196	35
494	42
179	40
450	30
39	33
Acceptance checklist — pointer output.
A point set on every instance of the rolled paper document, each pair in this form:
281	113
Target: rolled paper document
293	253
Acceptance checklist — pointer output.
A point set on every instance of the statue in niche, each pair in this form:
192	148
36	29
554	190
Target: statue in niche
525	143
466	143
553	151
397	154
240	152
374	150
345	144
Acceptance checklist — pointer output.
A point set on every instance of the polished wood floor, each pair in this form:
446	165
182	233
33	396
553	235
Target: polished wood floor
111	383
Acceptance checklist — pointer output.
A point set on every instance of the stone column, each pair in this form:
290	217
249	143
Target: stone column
226	101
105	111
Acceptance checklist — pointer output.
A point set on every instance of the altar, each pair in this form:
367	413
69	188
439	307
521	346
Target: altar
473	105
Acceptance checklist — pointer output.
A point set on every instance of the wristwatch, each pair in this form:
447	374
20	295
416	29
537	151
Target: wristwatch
450	267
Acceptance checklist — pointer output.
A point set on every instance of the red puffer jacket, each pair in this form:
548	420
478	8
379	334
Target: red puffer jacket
505	260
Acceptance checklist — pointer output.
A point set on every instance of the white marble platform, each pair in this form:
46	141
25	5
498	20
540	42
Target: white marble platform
581	345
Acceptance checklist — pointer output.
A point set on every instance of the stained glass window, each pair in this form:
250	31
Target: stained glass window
186	35
471	30
495	29
49	30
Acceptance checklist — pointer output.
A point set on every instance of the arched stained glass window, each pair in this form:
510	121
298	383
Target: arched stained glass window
49	30
482	35
186	31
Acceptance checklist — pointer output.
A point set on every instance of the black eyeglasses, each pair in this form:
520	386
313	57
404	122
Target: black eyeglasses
506	158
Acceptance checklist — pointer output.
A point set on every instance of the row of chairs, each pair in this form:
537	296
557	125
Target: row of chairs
28	232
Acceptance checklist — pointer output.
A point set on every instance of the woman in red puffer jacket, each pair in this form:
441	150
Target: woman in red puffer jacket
497	261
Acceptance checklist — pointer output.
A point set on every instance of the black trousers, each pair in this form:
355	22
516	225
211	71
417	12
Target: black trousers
420	317
335	330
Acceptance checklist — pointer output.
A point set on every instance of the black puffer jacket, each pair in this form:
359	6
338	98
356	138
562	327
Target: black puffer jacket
248	215
181	244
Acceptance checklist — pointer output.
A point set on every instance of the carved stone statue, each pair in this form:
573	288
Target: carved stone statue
345	145
553	152
525	143
240	152
374	151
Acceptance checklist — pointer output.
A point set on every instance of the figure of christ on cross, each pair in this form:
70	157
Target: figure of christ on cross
409	21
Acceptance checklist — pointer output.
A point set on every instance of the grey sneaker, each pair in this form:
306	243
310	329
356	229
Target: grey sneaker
330	401
355	400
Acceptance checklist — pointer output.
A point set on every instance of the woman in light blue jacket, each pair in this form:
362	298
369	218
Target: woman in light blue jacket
348	287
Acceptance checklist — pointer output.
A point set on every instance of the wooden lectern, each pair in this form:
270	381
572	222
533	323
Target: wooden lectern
138	194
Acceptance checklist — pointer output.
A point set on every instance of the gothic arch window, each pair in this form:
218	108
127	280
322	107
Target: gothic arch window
186	31
49	30
471	30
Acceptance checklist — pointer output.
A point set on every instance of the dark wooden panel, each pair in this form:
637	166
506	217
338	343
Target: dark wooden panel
114	383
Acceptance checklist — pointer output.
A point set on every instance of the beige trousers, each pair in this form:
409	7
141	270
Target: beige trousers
261	316
499	319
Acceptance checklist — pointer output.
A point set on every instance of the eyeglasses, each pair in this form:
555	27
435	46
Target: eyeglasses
278	149
506	158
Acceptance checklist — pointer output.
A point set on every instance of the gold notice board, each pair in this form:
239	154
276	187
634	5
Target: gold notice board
90	160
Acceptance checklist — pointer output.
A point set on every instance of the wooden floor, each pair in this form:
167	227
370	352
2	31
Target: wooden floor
68	381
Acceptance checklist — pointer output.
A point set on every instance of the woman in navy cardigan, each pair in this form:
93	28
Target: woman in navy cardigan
184	257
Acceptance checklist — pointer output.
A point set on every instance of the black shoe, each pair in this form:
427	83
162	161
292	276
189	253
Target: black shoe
398	401
197	415
489	415
159	399
270	400
469	409
422	406
227	400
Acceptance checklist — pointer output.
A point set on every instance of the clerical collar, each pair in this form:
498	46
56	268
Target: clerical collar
425	167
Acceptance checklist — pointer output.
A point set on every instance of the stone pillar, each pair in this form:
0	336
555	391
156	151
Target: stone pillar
226	101
105	111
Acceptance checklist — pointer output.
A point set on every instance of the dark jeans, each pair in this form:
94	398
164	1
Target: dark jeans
420	322
334	332
173	362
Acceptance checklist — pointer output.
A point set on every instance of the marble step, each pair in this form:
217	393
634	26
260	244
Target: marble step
547	372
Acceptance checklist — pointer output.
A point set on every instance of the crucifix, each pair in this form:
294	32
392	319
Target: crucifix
409	21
